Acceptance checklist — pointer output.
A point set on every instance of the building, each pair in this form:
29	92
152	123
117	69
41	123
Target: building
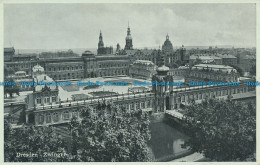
167	47
246	62
59	54
128	40
209	72
113	65
101	49
228	59
205	59
142	69
8	54
20	77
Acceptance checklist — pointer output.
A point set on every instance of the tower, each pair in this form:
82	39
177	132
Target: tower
128	40
161	90
101	49
117	47
183	54
100	43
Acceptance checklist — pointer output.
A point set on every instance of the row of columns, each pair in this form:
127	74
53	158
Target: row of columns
58	116
177	98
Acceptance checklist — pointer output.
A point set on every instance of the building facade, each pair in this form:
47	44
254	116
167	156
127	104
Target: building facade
142	69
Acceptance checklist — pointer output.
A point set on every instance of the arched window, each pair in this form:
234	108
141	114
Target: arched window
48	118
55	117
66	115
41	119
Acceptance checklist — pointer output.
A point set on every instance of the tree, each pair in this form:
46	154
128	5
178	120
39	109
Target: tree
35	140
239	70
253	70
222	130
11	89
110	134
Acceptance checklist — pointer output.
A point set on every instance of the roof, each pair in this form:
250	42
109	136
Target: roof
215	67
248	57
146	62
207	57
88	53
227	56
9	50
44	78
38	68
131	52
20	72
163	68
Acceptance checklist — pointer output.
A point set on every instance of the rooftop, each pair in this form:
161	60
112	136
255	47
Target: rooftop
146	62
9	50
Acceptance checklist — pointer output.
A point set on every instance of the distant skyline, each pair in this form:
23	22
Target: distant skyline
65	26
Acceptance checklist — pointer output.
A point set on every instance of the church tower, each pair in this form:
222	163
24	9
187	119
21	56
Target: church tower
100	43
128	40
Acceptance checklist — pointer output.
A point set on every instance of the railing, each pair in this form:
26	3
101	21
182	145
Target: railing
96	99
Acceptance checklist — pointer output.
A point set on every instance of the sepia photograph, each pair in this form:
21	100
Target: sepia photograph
129	82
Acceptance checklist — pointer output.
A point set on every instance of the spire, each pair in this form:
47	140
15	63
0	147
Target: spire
129	44
100	43
128	30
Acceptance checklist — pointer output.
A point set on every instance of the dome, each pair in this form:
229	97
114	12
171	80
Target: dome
38	68
167	43
87	53
163	68
167	46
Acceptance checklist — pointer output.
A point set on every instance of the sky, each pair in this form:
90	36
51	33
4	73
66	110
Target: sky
65	26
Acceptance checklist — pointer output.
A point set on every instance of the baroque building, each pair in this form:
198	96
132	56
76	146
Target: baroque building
167	47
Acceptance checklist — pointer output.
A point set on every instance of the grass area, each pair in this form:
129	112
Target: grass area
78	97
71	88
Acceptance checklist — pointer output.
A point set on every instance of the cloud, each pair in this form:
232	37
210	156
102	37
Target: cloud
56	26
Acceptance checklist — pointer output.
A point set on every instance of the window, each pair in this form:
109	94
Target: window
132	106
53	98
46	100
39	100
41	119
66	115
55	117
48	118
137	105
148	104
142	105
